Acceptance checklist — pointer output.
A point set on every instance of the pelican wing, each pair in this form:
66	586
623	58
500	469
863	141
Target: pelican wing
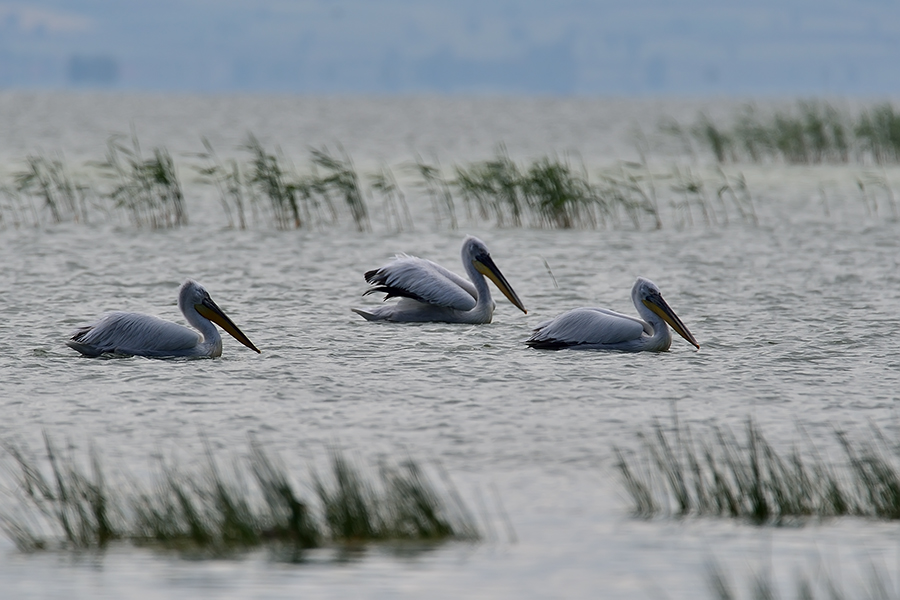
594	326
132	333
422	280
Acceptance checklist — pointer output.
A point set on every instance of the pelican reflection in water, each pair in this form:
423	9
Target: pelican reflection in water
138	334
603	329
429	292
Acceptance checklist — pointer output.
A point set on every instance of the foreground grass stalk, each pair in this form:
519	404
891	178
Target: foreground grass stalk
750	479
211	512
877	585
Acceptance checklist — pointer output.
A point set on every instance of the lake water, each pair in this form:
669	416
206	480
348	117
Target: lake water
797	317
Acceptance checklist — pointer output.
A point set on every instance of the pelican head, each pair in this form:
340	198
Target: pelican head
193	297
476	252
646	293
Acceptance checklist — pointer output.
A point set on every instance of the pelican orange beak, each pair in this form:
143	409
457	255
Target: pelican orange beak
657	304
211	311
485	265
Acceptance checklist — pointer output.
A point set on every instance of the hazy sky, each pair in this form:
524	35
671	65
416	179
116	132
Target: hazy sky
560	47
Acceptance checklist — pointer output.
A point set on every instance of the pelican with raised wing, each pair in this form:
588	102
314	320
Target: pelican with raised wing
603	329
429	292
138	334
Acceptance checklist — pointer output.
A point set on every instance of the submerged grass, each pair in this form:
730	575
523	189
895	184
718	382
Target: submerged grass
749	479
216	512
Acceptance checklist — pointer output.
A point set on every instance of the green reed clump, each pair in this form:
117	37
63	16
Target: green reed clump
214	512
878	132
549	192
406	506
493	189
288	518
340	178
300	201
719	142
562	197
147	188
267	178
749	479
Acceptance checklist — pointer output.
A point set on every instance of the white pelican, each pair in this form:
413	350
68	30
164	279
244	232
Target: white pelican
429	292
145	335
602	329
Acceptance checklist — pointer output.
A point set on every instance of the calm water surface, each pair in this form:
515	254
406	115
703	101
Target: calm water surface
797	318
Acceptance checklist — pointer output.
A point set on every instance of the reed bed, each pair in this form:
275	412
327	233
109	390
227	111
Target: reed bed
809	133
213	511
722	476
262	188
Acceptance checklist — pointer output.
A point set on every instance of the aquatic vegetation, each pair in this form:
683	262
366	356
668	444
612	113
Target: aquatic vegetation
878	133
147	188
396	211
262	188
872	188
267	178
878	585
228	178
810	133
340	178
549	192
722	476
74	504
289	200
211	511
45	192
49	180
434	186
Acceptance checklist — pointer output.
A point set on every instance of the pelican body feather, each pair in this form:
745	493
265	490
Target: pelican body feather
138	334
429	292
604	329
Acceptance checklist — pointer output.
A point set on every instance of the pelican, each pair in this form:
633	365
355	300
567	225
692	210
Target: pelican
145	335
429	292
602	329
